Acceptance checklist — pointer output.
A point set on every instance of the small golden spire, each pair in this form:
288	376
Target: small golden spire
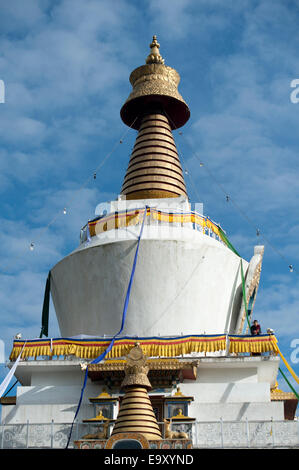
136	412
154	57
99	417
104	394
178	393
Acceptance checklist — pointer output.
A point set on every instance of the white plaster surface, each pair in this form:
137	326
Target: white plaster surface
230	392
237	411
180	286
230	388
47	395
41	413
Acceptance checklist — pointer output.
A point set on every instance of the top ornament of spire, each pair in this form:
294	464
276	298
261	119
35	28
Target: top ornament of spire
154	57
155	87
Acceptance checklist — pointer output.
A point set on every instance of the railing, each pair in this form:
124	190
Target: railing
246	434
221	434
41	435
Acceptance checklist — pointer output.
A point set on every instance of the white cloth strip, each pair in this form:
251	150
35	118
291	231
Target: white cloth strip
10	374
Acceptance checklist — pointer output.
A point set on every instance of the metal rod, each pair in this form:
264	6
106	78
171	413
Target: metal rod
273	434
2	436
247	432
27	434
52	433
221	427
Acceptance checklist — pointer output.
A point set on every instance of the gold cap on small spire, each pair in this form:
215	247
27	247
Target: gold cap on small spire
154	57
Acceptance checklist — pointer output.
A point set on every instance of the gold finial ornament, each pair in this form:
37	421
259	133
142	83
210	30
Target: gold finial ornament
155	86
154	57
136	369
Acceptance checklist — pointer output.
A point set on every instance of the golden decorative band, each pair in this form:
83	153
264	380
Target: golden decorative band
122	219
252	344
151	347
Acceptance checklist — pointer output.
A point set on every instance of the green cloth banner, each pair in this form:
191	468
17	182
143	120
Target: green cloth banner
226	241
244	294
289	384
229	245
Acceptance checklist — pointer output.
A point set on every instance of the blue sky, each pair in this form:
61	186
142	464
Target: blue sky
66	66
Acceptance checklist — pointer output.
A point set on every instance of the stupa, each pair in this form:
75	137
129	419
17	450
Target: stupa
191	299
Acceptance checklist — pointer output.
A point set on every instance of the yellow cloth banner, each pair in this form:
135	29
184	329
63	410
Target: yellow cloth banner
90	349
125	219
152	347
252	344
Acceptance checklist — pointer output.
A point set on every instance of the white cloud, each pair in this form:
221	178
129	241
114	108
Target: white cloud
278	306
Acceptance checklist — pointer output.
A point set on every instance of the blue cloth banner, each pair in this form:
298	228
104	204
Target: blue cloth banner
101	357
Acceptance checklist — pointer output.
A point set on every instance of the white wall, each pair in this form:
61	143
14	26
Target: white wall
227	387
180	286
237	411
227	392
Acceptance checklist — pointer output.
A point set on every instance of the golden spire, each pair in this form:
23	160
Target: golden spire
154	108
154	57
136	412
